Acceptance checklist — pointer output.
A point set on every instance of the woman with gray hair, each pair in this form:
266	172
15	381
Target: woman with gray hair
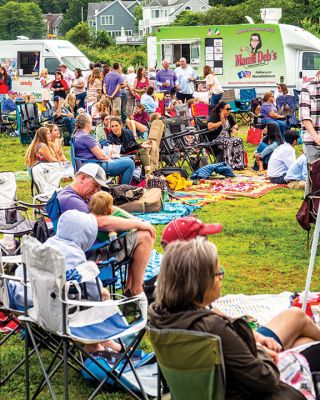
190	280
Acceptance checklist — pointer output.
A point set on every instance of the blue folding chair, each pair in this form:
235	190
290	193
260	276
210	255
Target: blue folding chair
77	162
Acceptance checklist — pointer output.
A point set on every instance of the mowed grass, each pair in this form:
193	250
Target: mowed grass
262	248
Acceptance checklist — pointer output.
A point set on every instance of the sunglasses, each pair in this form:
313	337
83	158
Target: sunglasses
221	273
228	108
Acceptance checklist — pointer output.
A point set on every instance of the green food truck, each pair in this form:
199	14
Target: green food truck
248	55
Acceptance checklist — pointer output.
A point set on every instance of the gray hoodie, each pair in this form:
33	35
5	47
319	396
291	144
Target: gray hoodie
76	233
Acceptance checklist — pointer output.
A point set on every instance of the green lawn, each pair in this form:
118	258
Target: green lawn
262	248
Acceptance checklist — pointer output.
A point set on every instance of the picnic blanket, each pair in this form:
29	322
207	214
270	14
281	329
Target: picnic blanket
197	196
152	269
169	212
262	307
247	186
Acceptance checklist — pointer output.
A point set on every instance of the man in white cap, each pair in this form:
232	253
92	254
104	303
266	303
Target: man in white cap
139	241
68	75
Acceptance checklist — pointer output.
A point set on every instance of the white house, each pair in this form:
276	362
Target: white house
163	12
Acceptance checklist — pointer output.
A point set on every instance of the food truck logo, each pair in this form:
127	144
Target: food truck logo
258	58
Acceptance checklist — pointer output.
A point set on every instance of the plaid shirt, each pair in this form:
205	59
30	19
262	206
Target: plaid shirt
309	108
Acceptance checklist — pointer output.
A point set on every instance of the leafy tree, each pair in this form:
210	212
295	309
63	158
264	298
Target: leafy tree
80	34
189	18
138	14
21	19
73	15
100	39
309	26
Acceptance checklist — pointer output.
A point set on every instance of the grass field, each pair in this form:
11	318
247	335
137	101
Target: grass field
262	248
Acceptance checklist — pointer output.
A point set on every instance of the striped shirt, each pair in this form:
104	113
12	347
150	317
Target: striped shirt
309	108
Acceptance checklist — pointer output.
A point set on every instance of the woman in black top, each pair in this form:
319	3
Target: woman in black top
59	86
221	126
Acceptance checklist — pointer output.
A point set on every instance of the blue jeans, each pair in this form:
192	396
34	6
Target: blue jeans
282	124
215	98
81	97
123	166
69	123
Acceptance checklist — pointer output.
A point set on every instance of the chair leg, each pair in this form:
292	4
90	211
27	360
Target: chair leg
34	344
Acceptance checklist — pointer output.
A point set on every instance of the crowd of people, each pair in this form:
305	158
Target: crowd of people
119	107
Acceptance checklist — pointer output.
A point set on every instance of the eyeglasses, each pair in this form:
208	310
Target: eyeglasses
254	40
221	273
228	108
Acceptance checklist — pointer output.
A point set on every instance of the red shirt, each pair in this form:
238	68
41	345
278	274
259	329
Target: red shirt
4	88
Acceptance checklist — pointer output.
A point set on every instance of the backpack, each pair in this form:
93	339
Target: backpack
151	201
41	231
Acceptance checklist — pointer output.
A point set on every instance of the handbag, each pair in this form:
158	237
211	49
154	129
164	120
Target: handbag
254	135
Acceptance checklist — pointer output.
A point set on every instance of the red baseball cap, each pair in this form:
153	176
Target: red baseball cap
187	228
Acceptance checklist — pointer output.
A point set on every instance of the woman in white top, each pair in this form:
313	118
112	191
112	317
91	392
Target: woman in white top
79	88
213	86
94	86
45	84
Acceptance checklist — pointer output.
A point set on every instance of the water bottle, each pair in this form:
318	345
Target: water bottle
165	198
113	236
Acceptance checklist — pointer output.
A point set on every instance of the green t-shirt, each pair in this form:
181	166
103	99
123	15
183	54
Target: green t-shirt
103	235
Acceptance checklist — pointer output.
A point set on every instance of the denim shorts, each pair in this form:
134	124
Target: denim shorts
263	330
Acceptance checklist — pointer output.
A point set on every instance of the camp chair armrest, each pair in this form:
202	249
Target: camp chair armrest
16	206
111	303
14	278
31	205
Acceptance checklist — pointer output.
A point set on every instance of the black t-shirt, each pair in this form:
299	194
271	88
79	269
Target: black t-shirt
214	117
59	85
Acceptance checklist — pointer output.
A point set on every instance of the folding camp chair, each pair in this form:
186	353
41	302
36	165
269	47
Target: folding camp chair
28	121
7	124
79	321
287	105
191	363
14	215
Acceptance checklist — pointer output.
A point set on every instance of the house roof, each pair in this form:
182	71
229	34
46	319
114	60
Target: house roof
180	8
92	7
162	3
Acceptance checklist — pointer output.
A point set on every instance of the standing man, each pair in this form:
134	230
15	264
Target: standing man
166	78
309	109
185	80
68	75
112	84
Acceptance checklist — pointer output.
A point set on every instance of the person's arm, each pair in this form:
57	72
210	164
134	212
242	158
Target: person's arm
116	91
307	123
256	376
110	223
269	149
99	154
47	154
64	84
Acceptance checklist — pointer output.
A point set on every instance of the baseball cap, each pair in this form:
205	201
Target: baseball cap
95	171
12	92
56	98
63	65
187	228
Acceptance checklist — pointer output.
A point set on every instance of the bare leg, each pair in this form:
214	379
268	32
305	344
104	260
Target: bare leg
140	127
131	125
292	326
140	261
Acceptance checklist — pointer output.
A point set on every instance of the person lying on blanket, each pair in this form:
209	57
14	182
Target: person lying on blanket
189	281
288	329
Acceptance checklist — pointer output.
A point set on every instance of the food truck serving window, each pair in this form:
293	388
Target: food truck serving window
174	51
310	60
28	62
